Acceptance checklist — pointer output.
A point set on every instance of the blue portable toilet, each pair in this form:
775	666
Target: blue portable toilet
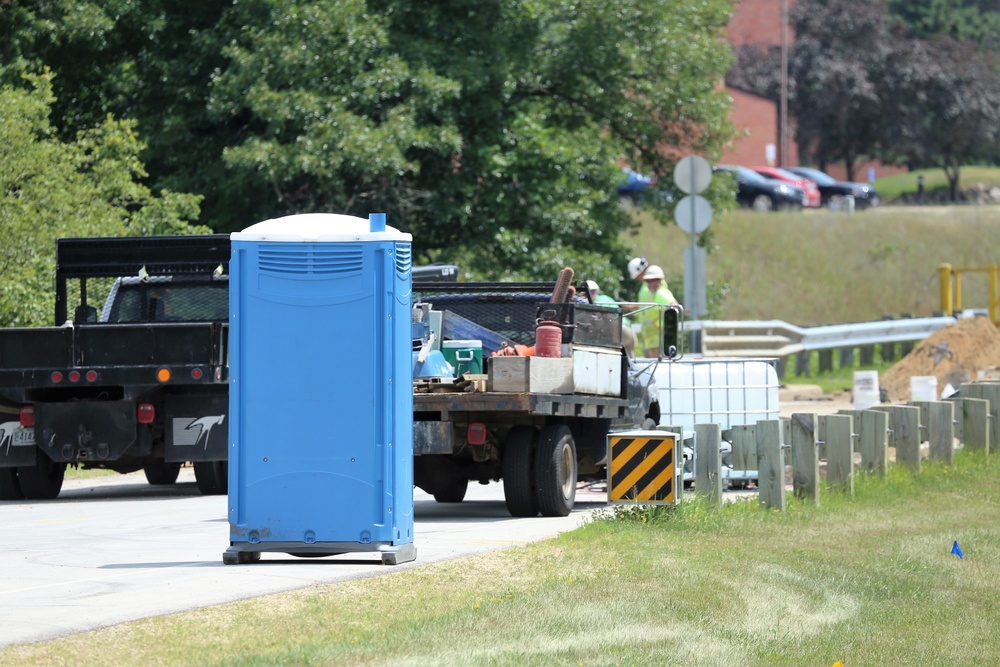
321	389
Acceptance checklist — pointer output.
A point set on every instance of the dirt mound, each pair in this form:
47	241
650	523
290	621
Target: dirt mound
957	353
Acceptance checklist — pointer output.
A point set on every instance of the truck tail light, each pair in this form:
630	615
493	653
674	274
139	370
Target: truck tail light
163	375
196	373
74	376
56	377
27	416
477	434
145	413
91	376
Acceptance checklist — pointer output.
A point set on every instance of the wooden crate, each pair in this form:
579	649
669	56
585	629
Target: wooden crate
542	375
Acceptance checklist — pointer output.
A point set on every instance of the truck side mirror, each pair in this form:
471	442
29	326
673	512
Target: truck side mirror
671	331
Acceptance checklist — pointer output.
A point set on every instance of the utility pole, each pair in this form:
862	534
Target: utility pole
783	120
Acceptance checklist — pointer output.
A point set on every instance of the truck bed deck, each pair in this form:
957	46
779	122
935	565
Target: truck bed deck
567	405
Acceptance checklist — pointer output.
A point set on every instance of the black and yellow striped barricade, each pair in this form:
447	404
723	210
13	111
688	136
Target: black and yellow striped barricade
642	467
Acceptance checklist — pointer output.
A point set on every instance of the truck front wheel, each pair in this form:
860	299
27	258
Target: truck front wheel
162	473
452	490
42	481
212	477
519	472
555	470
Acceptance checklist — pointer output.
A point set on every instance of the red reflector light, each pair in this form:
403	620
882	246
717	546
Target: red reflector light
91	376
477	434
56	376
146	413
74	376
27	416
196	373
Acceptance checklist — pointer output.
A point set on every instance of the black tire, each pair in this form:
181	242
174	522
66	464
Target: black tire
762	203
555	470
162	473
519	472
42	481
212	477
10	487
453	491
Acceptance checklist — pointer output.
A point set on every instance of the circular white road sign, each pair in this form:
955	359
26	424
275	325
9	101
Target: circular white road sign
693	168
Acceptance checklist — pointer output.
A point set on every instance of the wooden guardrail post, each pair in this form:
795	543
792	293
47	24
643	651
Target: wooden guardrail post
875	441
802	363
855	416
708	461
938	417
990	392
906	435
770	464
744	440
837	431
805	456
972	423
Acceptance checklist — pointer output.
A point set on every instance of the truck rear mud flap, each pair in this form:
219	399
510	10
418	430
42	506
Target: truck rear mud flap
17	445
197	427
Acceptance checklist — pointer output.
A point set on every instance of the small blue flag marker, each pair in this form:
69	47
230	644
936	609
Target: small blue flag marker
957	550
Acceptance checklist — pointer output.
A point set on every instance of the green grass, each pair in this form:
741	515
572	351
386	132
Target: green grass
818	267
867	580
892	187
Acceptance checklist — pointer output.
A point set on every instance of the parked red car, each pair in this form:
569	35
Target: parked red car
811	189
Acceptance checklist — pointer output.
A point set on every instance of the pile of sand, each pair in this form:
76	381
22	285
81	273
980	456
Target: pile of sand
960	352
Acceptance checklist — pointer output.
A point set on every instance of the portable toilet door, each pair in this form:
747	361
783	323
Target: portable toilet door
321	402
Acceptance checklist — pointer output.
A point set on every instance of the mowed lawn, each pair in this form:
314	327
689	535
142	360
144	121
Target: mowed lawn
866	580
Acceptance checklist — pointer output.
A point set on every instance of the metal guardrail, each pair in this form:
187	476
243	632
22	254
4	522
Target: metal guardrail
774	338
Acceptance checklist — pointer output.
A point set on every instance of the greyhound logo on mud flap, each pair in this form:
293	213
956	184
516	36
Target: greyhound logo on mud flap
189	432
12	434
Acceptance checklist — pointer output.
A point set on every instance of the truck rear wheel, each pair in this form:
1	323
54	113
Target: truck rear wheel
519	472
162	473
42	481
212	477
555	470
10	487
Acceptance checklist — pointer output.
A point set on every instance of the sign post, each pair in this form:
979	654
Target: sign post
693	214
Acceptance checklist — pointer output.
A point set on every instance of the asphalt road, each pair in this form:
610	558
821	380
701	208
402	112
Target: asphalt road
115	549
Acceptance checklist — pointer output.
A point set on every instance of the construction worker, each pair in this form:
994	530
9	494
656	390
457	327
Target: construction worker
597	296
651	318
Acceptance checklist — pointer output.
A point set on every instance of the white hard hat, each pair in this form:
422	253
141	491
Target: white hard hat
654	273
636	266
592	286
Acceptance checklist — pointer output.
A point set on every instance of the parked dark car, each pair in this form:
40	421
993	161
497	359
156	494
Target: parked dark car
833	193
763	194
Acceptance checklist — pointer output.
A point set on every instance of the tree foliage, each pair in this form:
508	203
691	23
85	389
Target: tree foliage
491	130
51	189
838	62
945	107
962	20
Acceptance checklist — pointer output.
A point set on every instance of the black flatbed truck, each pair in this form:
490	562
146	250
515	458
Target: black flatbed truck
136	386
540	445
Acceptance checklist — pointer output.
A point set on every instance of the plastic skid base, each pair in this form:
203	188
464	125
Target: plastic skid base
243	552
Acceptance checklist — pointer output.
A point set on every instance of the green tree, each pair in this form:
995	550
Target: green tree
490	130
51	189
963	20
944	105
